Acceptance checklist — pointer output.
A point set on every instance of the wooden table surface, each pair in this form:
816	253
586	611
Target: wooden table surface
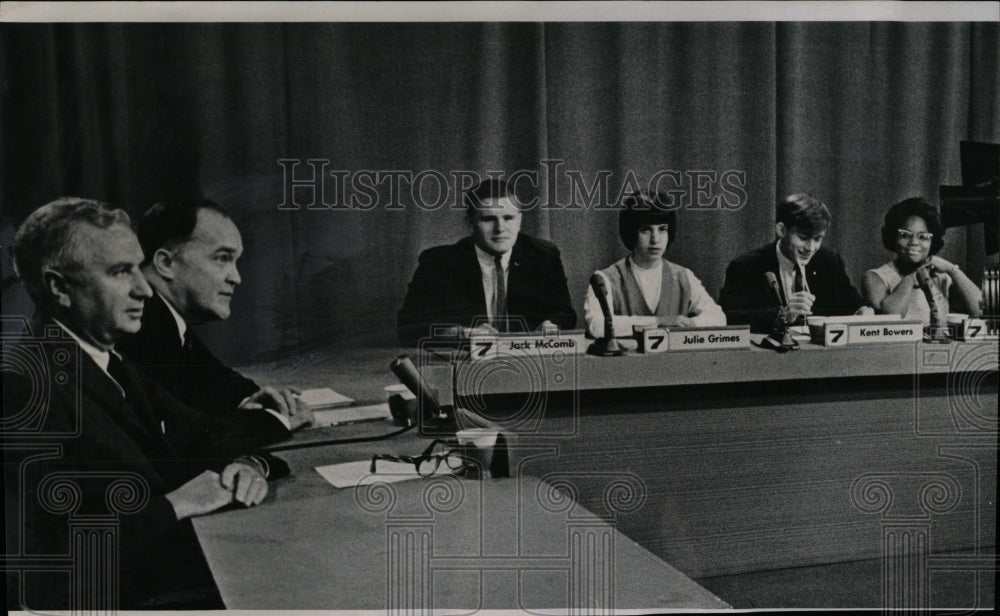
750	460
436	544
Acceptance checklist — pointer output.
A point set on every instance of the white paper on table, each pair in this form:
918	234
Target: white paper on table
352	474
324	398
348	414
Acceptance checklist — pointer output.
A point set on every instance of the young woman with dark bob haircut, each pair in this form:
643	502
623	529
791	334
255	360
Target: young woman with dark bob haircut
645	288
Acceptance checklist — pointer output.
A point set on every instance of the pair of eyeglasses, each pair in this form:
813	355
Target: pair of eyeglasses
906	236
428	462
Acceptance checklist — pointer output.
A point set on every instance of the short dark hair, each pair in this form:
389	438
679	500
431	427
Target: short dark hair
487	190
645	208
46	239
899	213
170	223
805	212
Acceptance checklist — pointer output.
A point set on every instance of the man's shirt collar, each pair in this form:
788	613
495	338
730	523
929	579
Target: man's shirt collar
786	269
784	262
787	265
486	260
101	358
181	323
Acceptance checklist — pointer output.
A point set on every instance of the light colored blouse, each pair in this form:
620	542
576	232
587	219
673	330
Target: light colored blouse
695	302
918	309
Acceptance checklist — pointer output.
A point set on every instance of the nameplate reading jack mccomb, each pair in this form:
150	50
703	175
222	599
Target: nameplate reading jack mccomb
489	347
893	331
705	338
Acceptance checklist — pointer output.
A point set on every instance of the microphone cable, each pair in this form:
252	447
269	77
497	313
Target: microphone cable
340	441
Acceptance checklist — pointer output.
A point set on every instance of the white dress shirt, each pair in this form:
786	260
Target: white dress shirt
786	272
182	325
101	358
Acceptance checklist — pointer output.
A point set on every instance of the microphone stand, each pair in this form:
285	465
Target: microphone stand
605	346
435	418
937	330
781	336
780	339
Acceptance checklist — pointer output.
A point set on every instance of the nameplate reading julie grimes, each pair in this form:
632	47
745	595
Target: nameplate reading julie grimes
660	339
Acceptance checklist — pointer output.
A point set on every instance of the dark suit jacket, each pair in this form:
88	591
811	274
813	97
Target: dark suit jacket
192	374
447	288
746	297
101	437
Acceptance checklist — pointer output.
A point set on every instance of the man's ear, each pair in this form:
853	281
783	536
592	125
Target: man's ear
780	229
163	263
57	286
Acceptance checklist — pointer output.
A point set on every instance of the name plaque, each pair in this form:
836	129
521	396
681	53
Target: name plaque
659	339
489	347
867	333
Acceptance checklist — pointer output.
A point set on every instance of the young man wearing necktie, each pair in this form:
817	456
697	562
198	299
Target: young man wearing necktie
812	279
496	279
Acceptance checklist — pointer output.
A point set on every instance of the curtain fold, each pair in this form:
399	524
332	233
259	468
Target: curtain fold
730	115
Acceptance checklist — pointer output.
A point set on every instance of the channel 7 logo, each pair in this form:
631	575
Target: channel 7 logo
525	383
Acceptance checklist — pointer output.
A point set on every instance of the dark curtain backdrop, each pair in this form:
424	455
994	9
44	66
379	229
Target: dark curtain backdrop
860	114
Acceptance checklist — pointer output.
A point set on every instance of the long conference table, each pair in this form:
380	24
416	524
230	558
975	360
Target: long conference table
716	462
441	544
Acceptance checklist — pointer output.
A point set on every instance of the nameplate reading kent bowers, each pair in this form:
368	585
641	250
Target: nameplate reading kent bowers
707	338
896	331
489	347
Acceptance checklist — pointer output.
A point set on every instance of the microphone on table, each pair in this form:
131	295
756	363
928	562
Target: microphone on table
606	346
408	375
780	339
937	329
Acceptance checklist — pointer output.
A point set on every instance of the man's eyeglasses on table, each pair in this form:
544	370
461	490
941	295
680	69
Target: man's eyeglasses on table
428	462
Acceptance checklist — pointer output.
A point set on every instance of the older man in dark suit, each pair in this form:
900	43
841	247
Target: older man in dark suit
498	279
80	263
812	279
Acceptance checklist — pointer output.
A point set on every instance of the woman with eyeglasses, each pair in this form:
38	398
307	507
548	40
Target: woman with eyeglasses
917	278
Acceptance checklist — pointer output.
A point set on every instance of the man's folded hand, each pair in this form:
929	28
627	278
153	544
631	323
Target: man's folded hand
246	483
201	495
285	401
